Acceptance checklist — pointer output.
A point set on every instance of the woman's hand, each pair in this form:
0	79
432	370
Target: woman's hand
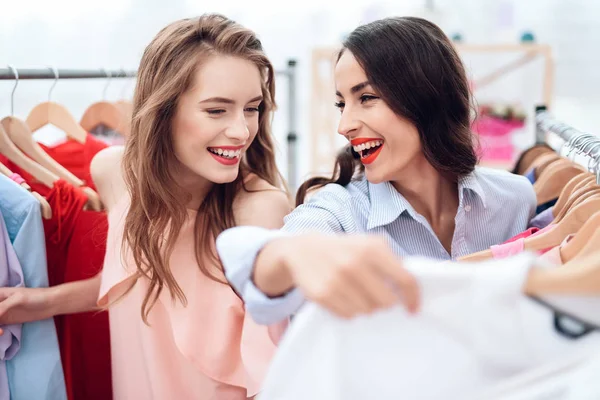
20	305
349	275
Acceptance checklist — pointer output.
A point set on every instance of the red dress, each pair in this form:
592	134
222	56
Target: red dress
72	155
75	247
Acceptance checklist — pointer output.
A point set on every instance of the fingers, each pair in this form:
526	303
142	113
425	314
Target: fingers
6	305
390	266
370	286
6	292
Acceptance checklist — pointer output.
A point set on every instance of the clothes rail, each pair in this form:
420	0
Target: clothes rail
48	73
290	72
583	148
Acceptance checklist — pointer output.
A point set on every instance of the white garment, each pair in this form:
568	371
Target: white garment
475	337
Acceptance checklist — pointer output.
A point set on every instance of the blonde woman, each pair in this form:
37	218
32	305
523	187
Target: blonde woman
200	159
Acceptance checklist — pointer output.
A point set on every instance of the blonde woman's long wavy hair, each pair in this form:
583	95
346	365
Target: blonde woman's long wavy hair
158	210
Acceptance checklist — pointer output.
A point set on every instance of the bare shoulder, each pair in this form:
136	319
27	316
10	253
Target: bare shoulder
261	204
107	175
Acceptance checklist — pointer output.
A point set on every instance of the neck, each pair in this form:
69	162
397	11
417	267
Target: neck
195	187
428	191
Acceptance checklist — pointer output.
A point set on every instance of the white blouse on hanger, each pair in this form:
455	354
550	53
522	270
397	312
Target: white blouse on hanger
475	337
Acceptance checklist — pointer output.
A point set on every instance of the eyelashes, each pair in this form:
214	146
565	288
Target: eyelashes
222	111
365	98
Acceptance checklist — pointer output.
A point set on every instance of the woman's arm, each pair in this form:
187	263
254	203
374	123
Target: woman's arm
274	270
20	305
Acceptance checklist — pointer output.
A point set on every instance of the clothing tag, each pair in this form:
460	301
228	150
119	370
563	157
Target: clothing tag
49	135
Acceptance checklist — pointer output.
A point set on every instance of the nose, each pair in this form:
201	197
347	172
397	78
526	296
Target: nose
348	124
238	130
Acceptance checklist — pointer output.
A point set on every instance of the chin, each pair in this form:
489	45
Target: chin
374	177
223	177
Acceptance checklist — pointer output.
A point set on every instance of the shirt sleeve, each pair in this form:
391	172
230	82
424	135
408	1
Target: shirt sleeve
238	248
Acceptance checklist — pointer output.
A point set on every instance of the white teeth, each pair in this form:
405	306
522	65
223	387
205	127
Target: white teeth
368	145
226	153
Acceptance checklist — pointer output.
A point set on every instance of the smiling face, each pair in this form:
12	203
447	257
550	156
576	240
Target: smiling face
216	120
388	144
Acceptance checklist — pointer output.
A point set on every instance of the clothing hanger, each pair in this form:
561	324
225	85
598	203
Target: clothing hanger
587	245
554	178
589	186
567	191
571	224
22	137
57	115
46	169
44	205
552	238
540	163
10	151
5	171
529	157
126	109
102	113
587	236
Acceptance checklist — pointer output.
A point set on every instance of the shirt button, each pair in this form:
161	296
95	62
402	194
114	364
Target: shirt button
467	208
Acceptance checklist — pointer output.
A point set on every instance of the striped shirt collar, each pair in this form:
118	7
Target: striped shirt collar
387	204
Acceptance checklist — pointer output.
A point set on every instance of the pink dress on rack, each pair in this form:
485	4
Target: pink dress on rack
209	349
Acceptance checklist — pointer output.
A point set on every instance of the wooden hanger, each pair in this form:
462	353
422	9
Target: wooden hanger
552	238
588	236
529	157
571	224
567	191
57	115
575	198
102	113
18	133
44	205
5	171
126	109
580	276
540	163
21	136
553	179
10	151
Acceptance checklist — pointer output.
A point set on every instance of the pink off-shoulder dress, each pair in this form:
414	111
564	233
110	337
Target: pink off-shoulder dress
209	349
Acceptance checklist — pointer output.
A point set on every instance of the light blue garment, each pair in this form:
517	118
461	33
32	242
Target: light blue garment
36	371
11	275
493	207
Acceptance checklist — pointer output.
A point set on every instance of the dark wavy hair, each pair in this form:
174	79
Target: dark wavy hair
418	73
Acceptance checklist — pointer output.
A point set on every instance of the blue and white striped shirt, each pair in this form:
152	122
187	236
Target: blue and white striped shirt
493	207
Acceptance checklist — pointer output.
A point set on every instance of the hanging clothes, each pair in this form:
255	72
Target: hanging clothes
476	336
74	156
76	245
543	219
11	275
516	245
39	355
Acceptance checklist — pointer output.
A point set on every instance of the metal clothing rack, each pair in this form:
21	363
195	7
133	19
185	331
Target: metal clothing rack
581	147
289	72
